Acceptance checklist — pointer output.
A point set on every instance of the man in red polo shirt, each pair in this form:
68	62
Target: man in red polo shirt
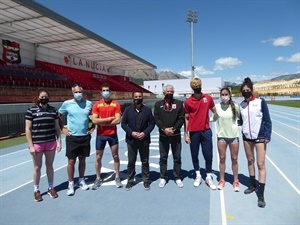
106	114
197	130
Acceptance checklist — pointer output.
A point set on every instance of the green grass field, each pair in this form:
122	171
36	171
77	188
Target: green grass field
290	103
20	140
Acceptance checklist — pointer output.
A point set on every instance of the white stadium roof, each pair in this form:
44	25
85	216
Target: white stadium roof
34	23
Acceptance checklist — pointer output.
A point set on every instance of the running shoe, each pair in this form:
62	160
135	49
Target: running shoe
146	185
209	182
70	190
37	196
261	202
128	186
97	184
162	183
52	193
197	181
83	185
118	182
179	183
249	190
221	184
236	186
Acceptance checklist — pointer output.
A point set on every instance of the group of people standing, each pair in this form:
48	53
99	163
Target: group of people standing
44	125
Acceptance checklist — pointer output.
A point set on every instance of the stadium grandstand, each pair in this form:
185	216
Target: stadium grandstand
42	49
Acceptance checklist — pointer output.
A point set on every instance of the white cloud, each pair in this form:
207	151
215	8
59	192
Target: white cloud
282	41
226	63
199	70
294	58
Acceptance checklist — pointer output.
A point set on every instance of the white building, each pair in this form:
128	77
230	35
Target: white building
182	86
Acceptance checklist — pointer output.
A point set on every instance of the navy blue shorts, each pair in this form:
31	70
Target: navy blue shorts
101	141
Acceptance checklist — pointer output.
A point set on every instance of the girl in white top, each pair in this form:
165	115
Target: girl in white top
227	113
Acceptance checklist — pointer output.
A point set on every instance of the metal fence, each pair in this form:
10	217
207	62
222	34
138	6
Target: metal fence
12	125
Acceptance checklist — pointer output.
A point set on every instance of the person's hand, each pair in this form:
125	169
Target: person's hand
169	131
267	141
58	146
32	150
141	135
91	130
66	131
187	139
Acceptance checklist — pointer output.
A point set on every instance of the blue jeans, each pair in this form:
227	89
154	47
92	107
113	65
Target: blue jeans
203	138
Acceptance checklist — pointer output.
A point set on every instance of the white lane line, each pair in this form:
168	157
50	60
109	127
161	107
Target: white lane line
22	185
284	176
7	168
286	125
222	197
287	118
286	139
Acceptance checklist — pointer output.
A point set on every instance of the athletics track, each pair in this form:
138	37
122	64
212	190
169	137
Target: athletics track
168	206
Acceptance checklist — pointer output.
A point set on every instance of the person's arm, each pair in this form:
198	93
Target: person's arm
28	128
58	135
180	117
186	133
102	121
116	120
266	119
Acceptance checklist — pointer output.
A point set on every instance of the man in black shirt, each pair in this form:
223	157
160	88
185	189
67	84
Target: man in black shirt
169	117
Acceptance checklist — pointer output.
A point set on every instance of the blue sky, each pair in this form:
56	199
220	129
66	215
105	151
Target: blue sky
233	39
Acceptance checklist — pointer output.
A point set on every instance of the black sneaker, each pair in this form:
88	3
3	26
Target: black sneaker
129	186
146	185
249	190
261	202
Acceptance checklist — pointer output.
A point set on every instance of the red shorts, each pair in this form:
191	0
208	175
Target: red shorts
47	146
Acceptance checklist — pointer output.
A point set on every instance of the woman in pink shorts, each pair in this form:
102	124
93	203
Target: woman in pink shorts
43	136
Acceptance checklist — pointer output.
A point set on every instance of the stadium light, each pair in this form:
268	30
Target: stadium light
192	17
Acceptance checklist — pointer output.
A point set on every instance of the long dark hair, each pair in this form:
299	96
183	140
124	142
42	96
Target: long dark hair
231	103
36	100
247	82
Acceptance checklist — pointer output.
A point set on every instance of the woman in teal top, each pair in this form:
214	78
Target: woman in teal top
226	116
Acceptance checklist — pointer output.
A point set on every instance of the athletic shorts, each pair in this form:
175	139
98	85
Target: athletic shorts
101	141
78	146
47	146
258	140
229	140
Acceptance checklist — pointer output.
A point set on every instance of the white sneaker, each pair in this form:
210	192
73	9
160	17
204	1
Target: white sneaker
70	190
179	183
83	185
209	182
162	183
197	181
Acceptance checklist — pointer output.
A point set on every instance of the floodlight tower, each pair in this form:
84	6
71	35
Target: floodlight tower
192	17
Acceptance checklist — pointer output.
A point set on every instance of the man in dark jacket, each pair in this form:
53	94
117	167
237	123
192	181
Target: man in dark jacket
169	117
138	122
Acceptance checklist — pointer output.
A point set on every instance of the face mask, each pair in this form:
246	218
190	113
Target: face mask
247	94
78	96
197	90
137	101
106	94
169	96
225	99
44	101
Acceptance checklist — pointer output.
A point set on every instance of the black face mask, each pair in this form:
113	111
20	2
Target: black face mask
197	90
44	101
169	96
247	95
138	101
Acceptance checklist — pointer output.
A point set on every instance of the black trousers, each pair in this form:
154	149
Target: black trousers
133	150
164	146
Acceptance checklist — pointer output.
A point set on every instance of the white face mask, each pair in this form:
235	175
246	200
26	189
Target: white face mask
78	96
225	98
